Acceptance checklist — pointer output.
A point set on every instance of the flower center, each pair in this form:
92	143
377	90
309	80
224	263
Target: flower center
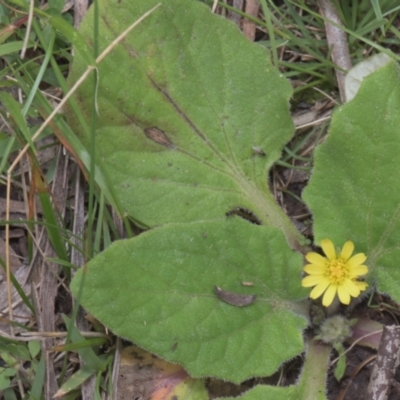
337	270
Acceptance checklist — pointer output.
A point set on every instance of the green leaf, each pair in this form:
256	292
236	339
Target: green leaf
72	35
9	394
75	380
179	122
87	353
340	367
10	372
23	352
264	392
4	381
39	377
34	348
12	47
5	375
352	192
162	297
191	389
16	114
56	5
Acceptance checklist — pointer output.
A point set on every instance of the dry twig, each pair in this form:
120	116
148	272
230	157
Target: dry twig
337	42
385	364
249	27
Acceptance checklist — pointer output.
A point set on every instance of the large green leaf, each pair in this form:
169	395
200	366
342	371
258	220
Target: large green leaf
162	297
353	192
191	114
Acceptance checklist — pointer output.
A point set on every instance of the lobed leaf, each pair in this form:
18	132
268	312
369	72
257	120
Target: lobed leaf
191	115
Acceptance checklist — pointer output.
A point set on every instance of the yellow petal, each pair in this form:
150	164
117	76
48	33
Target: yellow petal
329	295
347	250
351	287
361	285
313	269
328	248
356	260
358	270
316	259
320	288
344	295
311	280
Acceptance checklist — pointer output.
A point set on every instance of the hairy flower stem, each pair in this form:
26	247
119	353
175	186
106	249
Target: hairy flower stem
313	377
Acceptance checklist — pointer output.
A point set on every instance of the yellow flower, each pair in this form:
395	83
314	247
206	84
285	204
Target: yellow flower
335	273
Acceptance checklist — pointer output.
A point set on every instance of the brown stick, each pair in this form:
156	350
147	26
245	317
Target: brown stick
249	27
88	387
49	273
337	42
236	18
385	364
80	9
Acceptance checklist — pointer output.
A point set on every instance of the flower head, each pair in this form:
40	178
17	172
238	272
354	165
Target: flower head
335	273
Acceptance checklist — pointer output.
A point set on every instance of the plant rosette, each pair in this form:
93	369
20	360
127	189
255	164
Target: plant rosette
175	146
